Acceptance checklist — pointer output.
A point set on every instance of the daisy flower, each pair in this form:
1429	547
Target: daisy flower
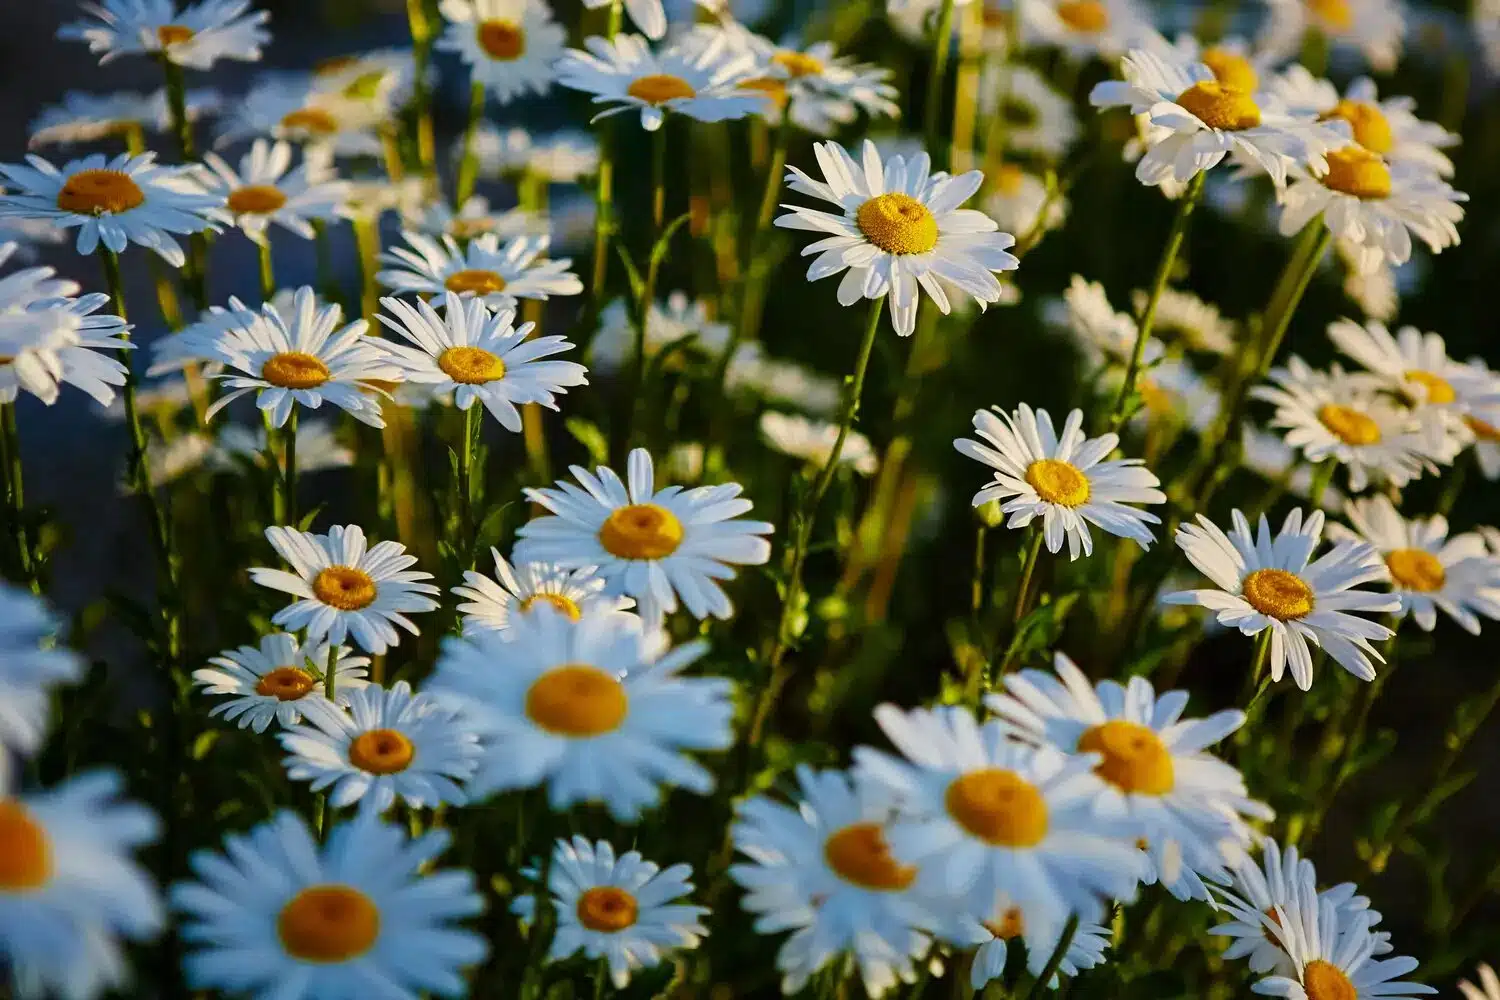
899	228
391	746
1063	479
822	868
318	448
1374	27
265	190
1162	786
1330	950
653	545
696	80
1104	335
117	201
509	46
1234	61
31	668
1186	319
498	275
675	320
1347	418
778	381
474	218
812	441
379	78
278	914
492	603
70	889
1489	983
593	708
817	87
1037	119
344	589
624	910
195	36
57	341
295	108
277	679
1007	922
985	818
1264	581
565	157
479	357
1197	121
1017	198
1428	569
302	357
1084	28
198	341
84	117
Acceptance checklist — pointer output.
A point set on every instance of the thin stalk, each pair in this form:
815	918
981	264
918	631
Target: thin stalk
330	674
1050	969
1185	206
658	180
10	443
289	470
772	191
1028	569
267	271
532	192
468	164
604	197
421	47
975	669
935	77
466	482
182	128
804	525
1322	475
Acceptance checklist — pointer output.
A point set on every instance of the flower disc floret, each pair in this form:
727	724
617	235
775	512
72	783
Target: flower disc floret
25	852
328	924
94	192
314	120
381	751
344	587
659	88
295	370
641	531
578	701
608	909
1416	569
285	684
256	199
1084	15
566	605
1354	170
1135	759
1348	425
898	223
474	281
1371	129
798	64
501	39
1060	482
1440	391
1278	594
1231	69
1325	981
174	34
1220	106
858	854
998	806
471	365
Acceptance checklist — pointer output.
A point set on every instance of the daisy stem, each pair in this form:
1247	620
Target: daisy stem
289	470
773	183
1257	681
468	163
465	548
328	286
267	271
1322	475
603	220
1050	969
10	444
1028	569
421	49
658	180
330	675
803	520
177	107
1164	266
532	193
938	71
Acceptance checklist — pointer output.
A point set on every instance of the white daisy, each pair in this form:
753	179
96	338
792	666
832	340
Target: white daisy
991	938
822	868
302	358
813	441
196	36
900	228
198	341
1272	582
594	708
70	890
391	746
1374	205
479	357
318	447
1489	983
496	274
32	665
474	217
648	15
510	46
344	589
984	818
1374	27
778	381
1428	569
699	81
1347	418
624	910
1084	28
1377	292
1234	61
1017	198
57	341
516	589
1330	952
1187	805
379	78
1063	479
1186	319
262	191
84	117
118	201
1035	117
279	915
276	679
565	157
653	545
1197	121
677	320
294	107
1102	334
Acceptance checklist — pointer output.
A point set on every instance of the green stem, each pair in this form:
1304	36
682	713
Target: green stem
658	180
1050	969
267	271
330	674
772	191
289	471
177	107
604	188
466	449
935	77
468	164
10	444
421	39
1164	266
1028	568
804	525
975	668
1321	477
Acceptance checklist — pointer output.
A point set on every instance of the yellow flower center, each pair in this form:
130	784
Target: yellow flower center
25	852
1009	925
295	370
1414	569
1231	69
1488	432
1356	171
1349	426
1325	981
770	86
1084	15
471	365
94	192
897	223
285	684
257	199
344	587
1220	106
1058	482
797	64
171	34
998	806
1371	130
314	120
1278	593
501	39
577	700
859	855
381	751
1337	14
328	924
607	909
474	281
1135	759
1008	179
566	605
1439	390
659	88
641	531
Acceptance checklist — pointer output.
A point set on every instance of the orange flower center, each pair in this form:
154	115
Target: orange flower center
998	806
1325	981
344	588
1354	170
314	120
1337	14
25	852
859	855
171	34
607	909
94	192
257	199
770	86
578	701
285	684
1220	106
1009	925
328	924
1084	15
1349	426
1371	130
474	281
659	88
1231	69
1415	569
797	64
1278	594
295	370
566	605
381	751
471	365
501	39
641	531
897	223
1439	390
1058	482
1135	759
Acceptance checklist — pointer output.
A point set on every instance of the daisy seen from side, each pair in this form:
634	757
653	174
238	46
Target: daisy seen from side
484	269
1104	335
995	937
85	117
276	678
510	46
1184	318
1373	27
812	441
195	36
61	341
294	107
1037	119
820	89
564	157
1084	28
265	189
516	589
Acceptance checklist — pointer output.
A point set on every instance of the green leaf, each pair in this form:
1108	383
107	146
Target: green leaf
637	284
491	528
306	521
659	250
204	743
591	437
